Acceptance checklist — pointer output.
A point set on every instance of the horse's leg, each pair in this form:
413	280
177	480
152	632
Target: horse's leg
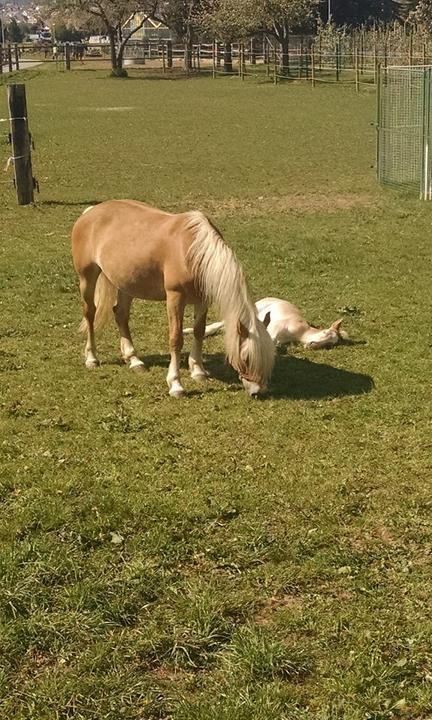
121	314
87	290
175	310
196	366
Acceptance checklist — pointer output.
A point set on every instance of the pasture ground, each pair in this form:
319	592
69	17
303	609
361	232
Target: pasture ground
217	558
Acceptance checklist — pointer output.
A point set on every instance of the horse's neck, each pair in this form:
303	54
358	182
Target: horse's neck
291	330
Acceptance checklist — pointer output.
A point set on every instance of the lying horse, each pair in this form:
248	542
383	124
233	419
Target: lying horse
285	324
123	249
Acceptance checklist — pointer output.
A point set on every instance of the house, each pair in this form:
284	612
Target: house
151	30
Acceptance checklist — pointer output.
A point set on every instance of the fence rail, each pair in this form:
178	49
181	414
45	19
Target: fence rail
353	59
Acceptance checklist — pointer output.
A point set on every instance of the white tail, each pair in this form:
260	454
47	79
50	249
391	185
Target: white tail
212	329
105	298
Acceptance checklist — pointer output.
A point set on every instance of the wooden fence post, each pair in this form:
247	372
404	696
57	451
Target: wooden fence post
375	62
1	60
357	76
275	77
214	59
9	57
21	151
300	57
313	64
267	55
337	60
163	59
16	52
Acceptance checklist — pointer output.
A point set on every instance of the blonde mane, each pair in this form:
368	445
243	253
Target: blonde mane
219	277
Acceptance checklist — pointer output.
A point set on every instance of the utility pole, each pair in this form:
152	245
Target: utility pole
2	26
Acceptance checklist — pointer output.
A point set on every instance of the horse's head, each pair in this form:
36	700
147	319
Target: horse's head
256	356
328	337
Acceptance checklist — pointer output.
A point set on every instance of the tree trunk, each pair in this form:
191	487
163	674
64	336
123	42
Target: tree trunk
187	61
252	51
117	69
120	56
113	52
169	54
285	59
228	65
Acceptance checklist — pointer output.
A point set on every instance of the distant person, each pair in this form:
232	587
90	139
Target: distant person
80	51
55	53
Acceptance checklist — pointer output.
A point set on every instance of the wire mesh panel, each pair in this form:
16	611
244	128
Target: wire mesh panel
404	106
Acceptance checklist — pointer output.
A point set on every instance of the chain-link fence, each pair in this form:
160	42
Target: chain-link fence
404	129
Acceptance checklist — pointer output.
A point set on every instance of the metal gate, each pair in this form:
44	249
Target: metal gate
404	129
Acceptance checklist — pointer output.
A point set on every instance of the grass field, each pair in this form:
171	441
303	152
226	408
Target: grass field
216	558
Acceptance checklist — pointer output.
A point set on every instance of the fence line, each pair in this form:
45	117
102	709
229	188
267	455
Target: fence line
348	59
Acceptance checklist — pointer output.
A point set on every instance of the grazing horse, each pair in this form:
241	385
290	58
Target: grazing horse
285	324
123	249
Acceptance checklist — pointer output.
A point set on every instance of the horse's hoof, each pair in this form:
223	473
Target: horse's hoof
92	364
176	394
200	377
139	368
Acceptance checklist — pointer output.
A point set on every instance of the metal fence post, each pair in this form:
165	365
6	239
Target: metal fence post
425	190
378	122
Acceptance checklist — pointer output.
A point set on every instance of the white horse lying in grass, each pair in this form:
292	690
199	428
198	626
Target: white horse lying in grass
287	325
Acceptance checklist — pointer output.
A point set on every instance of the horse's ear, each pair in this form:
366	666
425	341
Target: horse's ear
336	325
242	330
266	320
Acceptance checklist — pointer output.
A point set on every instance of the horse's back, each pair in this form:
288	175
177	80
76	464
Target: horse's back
140	248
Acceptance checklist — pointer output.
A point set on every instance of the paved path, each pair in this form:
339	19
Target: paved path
24	65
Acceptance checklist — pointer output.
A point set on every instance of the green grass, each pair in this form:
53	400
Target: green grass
216	558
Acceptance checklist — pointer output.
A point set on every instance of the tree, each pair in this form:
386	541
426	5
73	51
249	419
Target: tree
359	12
110	14
183	18
232	19
68	34
423	14
282	17
229	20
14	32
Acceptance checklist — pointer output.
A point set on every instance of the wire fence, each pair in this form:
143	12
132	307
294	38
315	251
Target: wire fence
404	129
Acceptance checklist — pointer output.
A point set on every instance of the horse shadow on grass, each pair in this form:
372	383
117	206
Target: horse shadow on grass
293	378
302	379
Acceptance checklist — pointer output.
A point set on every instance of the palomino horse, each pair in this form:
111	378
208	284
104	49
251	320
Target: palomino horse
123	249
287	325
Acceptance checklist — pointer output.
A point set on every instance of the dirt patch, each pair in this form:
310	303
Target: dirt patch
288	204
264	616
